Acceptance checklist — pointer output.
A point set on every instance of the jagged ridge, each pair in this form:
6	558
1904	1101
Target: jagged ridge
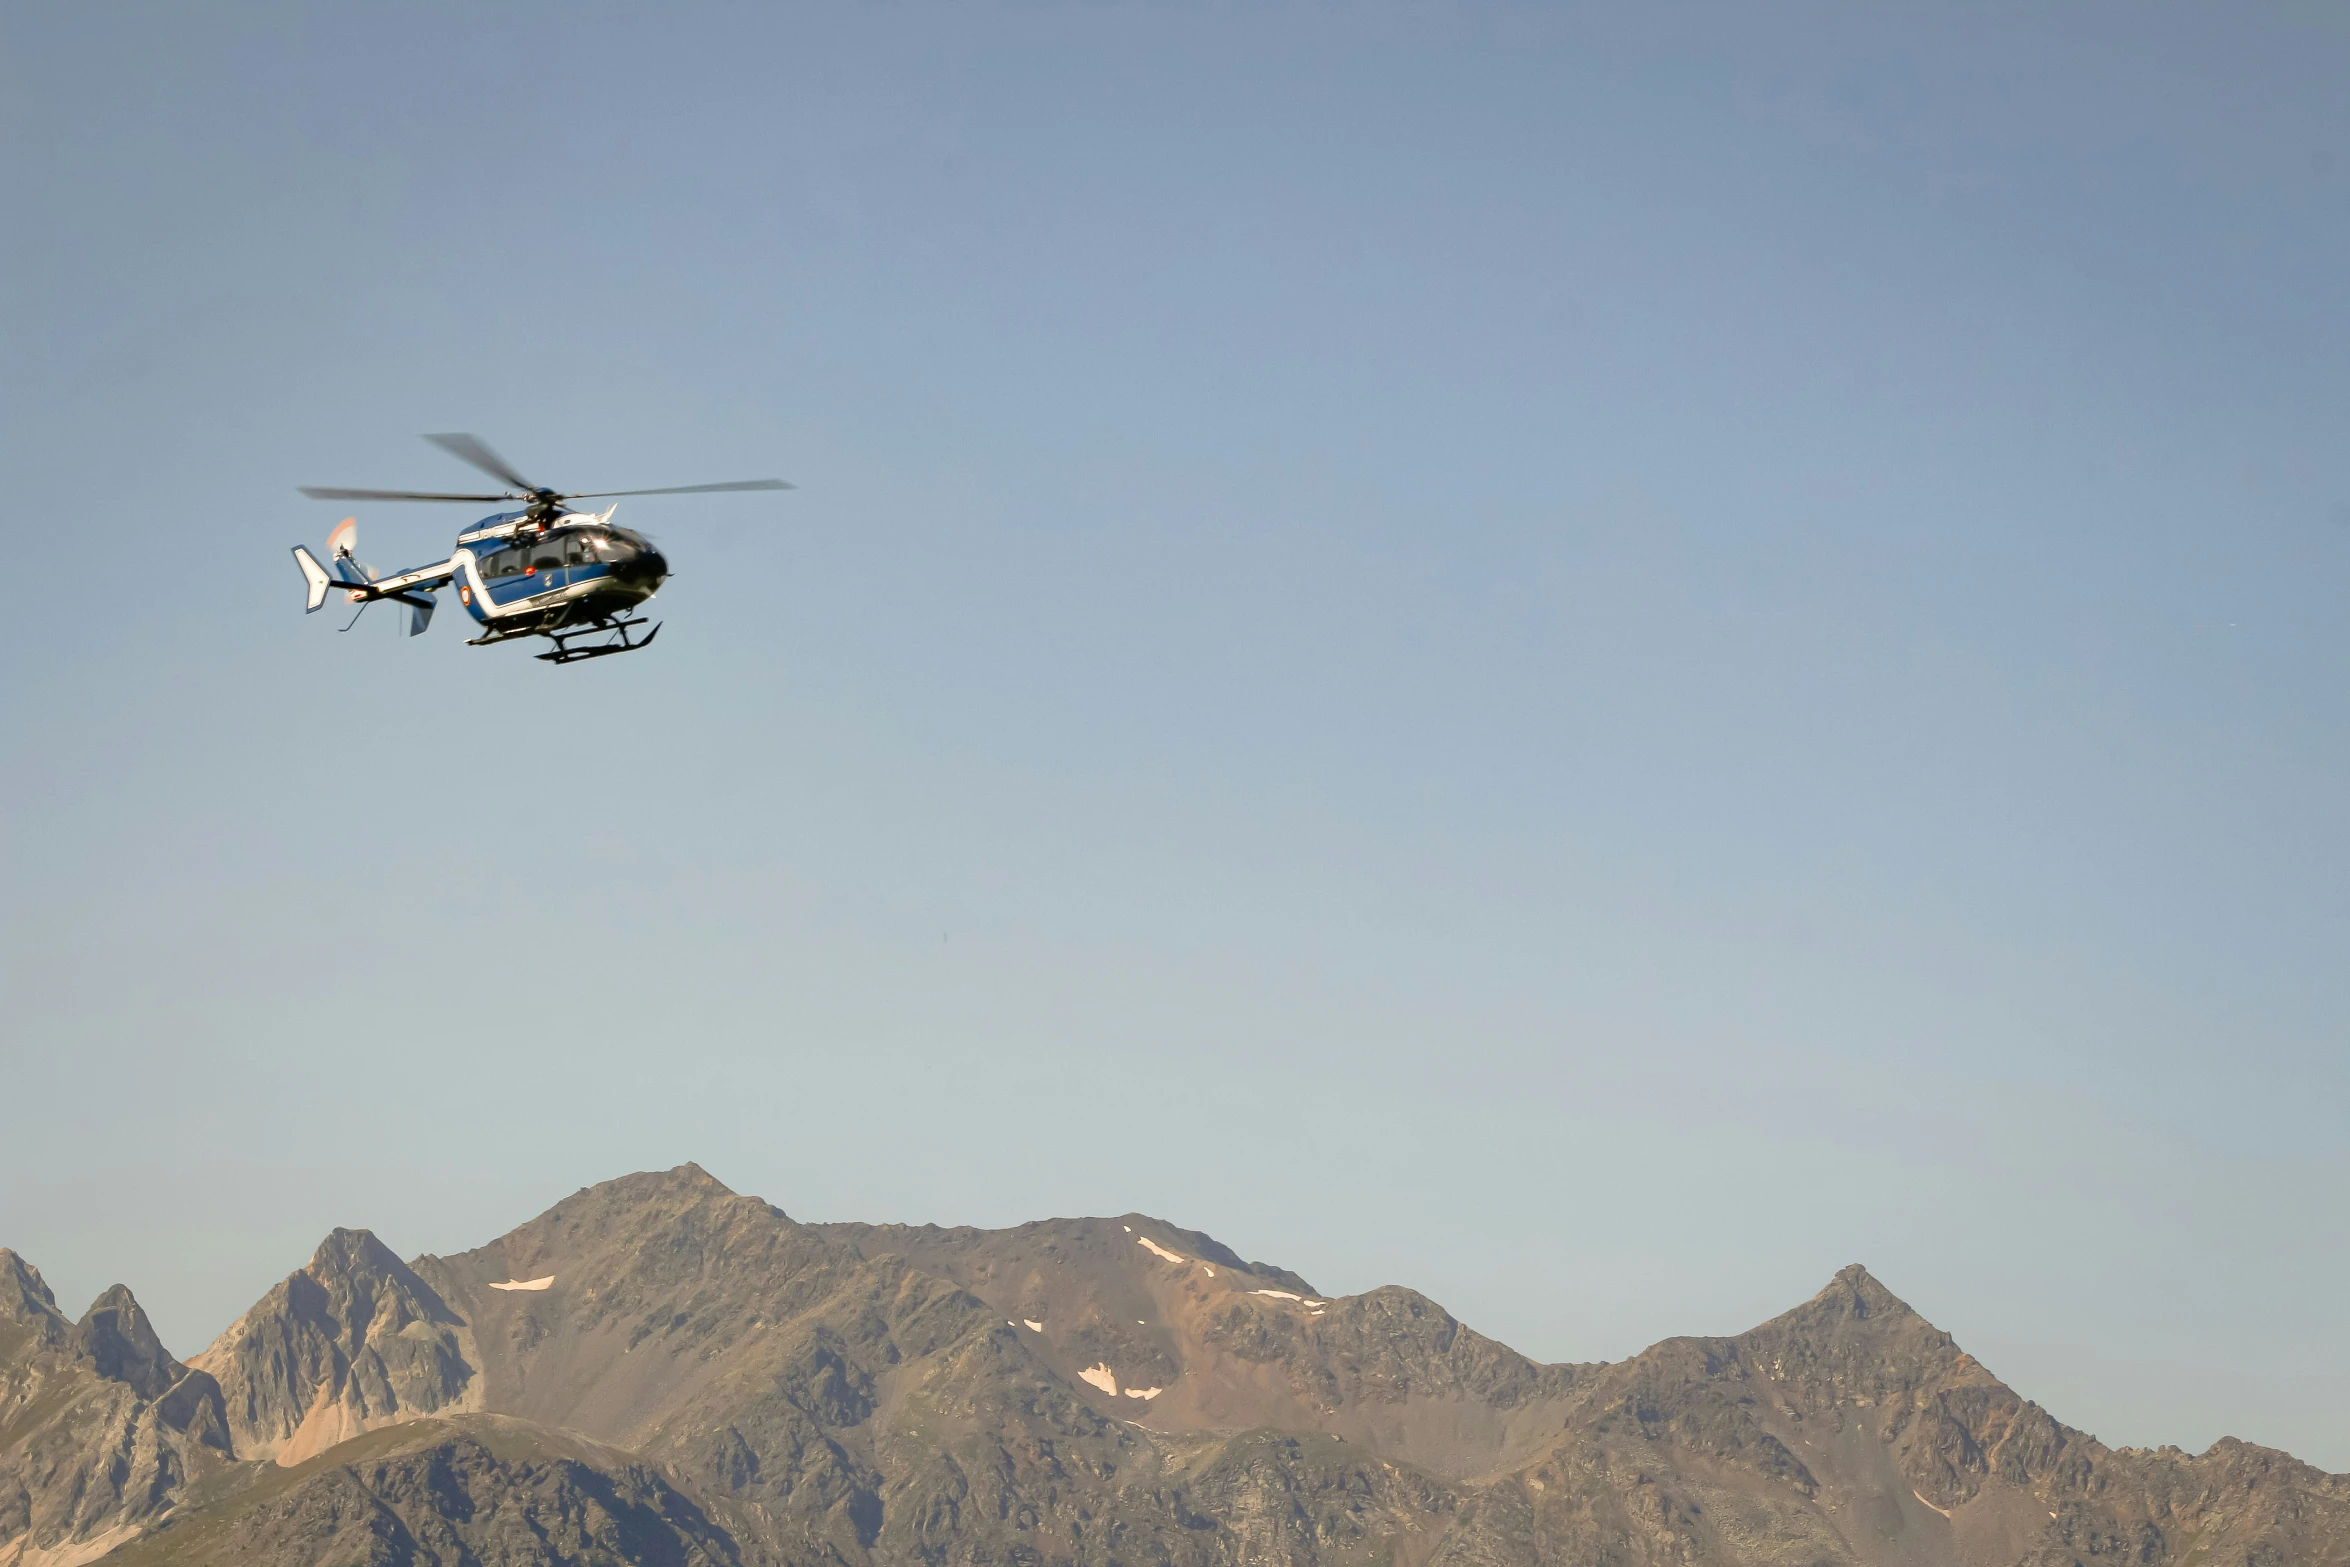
670	1369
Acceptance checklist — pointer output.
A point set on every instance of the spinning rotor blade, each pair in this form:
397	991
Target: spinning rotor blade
322	493
682	489
469	448
543	502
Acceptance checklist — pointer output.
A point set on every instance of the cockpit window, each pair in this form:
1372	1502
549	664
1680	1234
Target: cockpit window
521	559
551	554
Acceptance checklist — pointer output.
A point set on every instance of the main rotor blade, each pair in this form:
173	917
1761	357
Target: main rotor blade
685	489
469	448
323	493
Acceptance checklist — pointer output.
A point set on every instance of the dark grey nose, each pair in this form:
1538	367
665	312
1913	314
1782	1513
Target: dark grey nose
641	566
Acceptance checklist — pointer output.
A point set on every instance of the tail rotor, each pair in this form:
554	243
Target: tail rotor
349	572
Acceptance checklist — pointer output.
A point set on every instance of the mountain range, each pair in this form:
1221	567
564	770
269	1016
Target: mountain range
658	1370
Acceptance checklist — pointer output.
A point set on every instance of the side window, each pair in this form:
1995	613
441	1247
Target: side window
575	551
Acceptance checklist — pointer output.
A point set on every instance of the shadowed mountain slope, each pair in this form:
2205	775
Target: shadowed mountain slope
467	1491
660	1369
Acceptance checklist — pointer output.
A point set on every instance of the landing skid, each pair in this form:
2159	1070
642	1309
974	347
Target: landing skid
615	630
615	633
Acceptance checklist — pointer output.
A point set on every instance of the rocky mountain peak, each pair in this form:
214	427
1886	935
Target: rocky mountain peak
345	1253
102	1426
686	1183
120	1342
351	1340
1856	1294
650	1207
630	1240
1857	1311
21	1282
1860	1337
29	1317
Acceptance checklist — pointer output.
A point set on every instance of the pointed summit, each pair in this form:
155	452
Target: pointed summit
344	1249
1856	1338
29	1318
1856	1302
21	1282
102	1426
350	1341
1856	1293
121	1343
349	1260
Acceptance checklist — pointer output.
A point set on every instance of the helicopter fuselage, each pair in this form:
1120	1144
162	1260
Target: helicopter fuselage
518	577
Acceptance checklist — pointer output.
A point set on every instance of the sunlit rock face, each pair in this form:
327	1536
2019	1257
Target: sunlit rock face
352	1341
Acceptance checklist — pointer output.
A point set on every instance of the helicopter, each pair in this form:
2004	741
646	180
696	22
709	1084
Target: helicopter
544	571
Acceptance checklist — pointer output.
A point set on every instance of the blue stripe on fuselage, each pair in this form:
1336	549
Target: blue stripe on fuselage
506	592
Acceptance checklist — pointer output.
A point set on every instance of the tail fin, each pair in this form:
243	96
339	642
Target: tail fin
421	604
315	576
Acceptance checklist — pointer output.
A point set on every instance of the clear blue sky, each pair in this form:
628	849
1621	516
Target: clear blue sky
1597	660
